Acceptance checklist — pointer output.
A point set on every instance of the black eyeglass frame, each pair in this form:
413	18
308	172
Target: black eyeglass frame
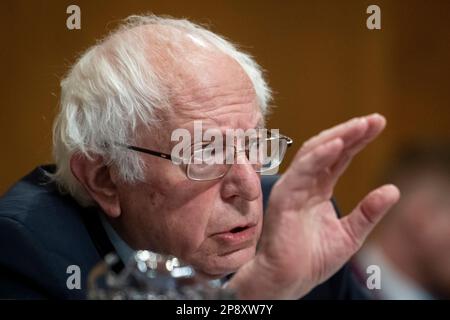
167	156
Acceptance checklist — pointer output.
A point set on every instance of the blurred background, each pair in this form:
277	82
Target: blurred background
322	62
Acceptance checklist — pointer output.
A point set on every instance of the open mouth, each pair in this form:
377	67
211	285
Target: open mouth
238	229
237	235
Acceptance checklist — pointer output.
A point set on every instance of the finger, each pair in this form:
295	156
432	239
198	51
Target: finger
347	131
303	173
319	159
376	124
350	132
369	212
301	178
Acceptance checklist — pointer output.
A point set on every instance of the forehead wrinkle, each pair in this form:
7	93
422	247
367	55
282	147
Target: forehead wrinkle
224	120
238	112
216	89
214	99
206	99
216	107
198	90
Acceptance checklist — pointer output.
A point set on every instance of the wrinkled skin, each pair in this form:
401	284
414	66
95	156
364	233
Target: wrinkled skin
302	243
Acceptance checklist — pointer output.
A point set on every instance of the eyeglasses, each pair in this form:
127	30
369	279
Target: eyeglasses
207	162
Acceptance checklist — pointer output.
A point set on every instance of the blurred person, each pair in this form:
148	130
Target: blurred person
412	246
114	189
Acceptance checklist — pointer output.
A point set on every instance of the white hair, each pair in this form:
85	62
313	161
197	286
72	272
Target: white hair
113	87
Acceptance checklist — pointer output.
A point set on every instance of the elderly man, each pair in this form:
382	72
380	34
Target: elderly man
120	104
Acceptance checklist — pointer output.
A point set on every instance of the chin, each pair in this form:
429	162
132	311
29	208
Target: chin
220	266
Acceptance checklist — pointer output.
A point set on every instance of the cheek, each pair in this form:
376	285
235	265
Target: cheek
142	217
186	227
216	259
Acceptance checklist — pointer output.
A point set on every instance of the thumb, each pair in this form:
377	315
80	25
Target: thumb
360	222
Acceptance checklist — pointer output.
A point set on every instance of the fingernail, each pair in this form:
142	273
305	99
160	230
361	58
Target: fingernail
376	114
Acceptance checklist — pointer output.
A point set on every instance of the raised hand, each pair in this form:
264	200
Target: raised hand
303	241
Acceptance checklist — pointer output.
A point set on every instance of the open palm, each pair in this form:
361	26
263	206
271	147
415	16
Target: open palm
303	241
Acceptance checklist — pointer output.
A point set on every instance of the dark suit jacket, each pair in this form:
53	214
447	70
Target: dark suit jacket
43	232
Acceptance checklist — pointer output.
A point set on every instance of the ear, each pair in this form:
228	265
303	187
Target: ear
99	182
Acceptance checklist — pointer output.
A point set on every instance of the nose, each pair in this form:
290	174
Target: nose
241	181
